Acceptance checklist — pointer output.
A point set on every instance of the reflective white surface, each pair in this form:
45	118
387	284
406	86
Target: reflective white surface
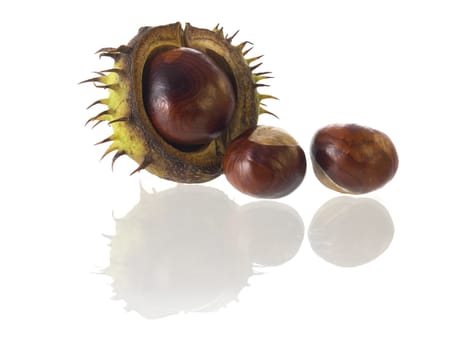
95	259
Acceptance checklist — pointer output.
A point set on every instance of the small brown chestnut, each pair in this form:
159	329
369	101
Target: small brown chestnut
188	98
265	162
353	159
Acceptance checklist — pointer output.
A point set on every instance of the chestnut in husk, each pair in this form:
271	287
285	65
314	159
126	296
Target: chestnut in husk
265	162
353	159
178	95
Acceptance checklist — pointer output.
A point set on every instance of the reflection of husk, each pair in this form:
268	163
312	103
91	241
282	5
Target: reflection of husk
173	252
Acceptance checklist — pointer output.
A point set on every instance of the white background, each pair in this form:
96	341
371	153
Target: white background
398	66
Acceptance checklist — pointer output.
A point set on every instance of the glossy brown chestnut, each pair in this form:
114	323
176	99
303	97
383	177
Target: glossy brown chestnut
353	159
265	162
188	98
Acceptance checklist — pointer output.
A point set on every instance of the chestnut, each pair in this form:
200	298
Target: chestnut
353	159
265	162
187	97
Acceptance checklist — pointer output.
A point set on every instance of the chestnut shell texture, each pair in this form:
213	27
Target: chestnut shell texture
265	162
353	159
177	97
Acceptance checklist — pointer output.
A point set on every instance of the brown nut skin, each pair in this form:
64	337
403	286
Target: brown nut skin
353	159
265	162
188	98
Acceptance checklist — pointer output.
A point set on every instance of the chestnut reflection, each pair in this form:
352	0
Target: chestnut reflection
191	248
349	232
274	231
